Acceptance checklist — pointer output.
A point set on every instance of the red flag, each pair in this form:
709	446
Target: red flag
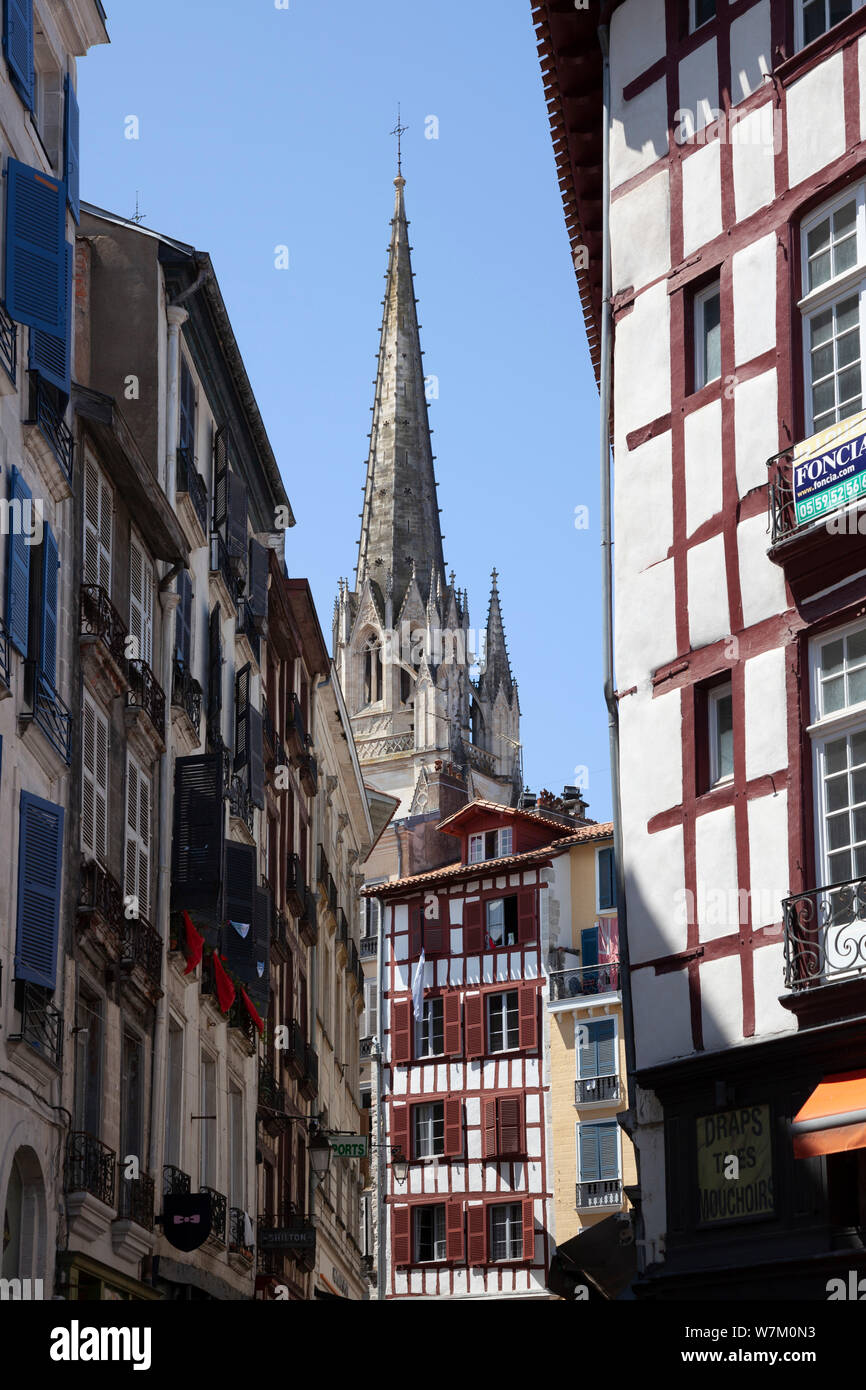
224	987
194	944
252	1011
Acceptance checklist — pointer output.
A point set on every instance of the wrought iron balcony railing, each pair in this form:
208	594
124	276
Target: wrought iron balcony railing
296	733
359	973
241	803
238	1241
222	565
175	1182
90	1166
367	1047
295	1056
135	1198
342	933
248	628
47	410
308	771
142	945
296	888
322	872
310	1081
581	980
146	693
825	935
238	1017
369	946
271	1096
4	655
218	1211
186	694
8	344
308	923
193	484
604	1193
98	617
44	707
101	895
41	1021
269	733
596	1088
279	929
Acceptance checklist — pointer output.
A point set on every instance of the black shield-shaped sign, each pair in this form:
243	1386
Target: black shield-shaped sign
186	1219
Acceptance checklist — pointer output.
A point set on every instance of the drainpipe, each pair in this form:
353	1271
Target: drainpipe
610	695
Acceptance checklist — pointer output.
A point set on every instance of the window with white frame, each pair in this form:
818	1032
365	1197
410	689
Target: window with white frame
708	335
370	1020
141	600
503	1022
429	1030
98	513
598	1160
138	836
815	17
370	909
700	12
833	251
506	1231
501	921
428	1130
490	844
94	780
429	1233
839	742
208	1127
596	1048
720	718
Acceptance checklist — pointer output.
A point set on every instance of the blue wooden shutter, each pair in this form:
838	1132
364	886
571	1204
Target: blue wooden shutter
40	855
589	1153
51	353
70	149
48	625
18	573
18	46
606	1047
606	885
608	1152
35	248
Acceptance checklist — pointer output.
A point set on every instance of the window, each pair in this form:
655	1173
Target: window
183	622
48	94
720	716
815	17
370	1021
501	917
40	857
490	844
174	1095
94	781
208	1128
98	525
429	1030
138	823
606	879
700	12
131	1097
596	1050
428	1130
186	435
370	909
503	1126
373	686
237	1186
839	689
141	601
708	335
833	249
88	1063
503	1021
429	1234
506	1232
597	1157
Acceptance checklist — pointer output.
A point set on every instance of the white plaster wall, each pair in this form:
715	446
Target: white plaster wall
699	85
646	628
750	50
769	975
721	1002
644	532
702	196
709	618
655	882
637	39
816	119
643	363
639	132
766	713
716	907
754	280
762	583
768	855
753	139
756	429
662	1021
651	757
640	226
703	454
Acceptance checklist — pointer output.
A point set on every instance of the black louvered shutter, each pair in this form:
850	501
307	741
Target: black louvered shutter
236	530
258	584
256	748
221	451
215	673
197	858
240	890
258	991
183	621
242	717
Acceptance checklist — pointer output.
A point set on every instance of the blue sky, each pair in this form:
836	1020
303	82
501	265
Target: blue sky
273	129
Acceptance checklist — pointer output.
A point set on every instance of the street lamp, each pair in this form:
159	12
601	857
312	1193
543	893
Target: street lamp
320	1154
399	1167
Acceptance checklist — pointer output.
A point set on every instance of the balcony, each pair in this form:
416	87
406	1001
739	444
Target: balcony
223	573
309	1085
308	771
99	623
594	1089
583	980
247	629
825	951
342	933
367	1048
814	520
100	907
308	924
191	499
135	1199
43	707
295	1056
322	873
218	1212
141	949
240	1020
238	1242
606	1194
186	695
145	694
269	733
47	411
41	1022
369	946
296	888
241	803
175	1182
271	1099
90	1166
279	932
8	344
296	733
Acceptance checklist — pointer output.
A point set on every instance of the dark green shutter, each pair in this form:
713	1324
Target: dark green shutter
215	673
258	583
40	859
197	843
236	530
221	451
606	881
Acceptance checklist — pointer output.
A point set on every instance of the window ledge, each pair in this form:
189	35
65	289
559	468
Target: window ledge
823	294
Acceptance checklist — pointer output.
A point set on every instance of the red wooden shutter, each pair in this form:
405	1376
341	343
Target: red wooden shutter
414	930
453	1128
402	1233
528	1023
454	1231
436	928
511	1125
528	1230
474	1023
401	1031
527	918
400	1137
488	1147
472	927
451	1023
477	1231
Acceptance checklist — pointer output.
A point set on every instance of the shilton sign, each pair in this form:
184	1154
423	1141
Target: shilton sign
829	469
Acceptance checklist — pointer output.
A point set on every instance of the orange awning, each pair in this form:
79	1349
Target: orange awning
833	1120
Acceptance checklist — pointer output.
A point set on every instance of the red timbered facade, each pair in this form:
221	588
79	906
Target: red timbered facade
737	221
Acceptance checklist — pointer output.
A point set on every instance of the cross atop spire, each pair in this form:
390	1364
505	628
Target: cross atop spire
399	130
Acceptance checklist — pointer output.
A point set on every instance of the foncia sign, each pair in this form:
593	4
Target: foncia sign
829	469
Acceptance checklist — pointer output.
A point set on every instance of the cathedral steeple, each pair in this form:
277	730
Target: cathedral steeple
497	665
400	521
